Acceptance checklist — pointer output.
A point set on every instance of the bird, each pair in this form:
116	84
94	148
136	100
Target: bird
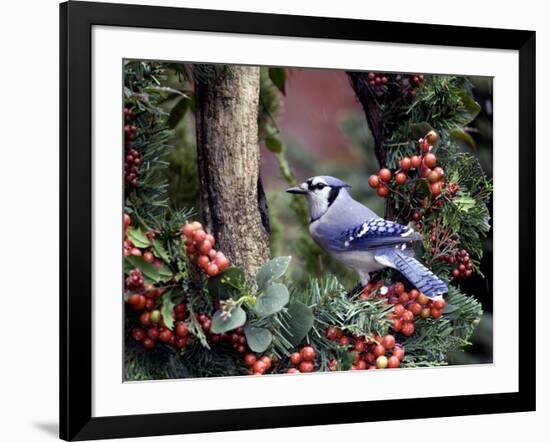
357	237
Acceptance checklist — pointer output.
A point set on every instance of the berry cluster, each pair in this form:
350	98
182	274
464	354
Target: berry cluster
452	190
371	353
422	166
200	244
464	268
303	361
385	84
134	280
132	161
408	305
257	366
152	327
132	158
376	79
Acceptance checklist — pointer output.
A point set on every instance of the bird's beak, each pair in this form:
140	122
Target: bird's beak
298	190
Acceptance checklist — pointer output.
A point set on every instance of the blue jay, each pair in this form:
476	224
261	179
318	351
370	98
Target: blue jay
360	239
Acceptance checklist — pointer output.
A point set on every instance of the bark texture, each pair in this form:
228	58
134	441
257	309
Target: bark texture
359	82
373	113
232	197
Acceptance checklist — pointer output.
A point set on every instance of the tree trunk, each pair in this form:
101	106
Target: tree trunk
373	113
359	82
232	196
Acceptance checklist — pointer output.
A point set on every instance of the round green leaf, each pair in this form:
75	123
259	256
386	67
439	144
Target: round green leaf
272	270
220	325
272	300
258	338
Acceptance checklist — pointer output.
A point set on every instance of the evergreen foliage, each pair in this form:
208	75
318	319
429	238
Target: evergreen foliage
279	314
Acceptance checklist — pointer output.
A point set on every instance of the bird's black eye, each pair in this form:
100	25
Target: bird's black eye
320	186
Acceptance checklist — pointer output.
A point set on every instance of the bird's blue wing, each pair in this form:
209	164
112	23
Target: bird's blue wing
372	234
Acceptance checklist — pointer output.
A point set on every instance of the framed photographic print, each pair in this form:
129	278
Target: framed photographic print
272	220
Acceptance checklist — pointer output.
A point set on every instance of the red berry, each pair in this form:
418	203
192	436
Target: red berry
199	235
210	239
436	189
379	350
398	310
408	316
393	362
388	342
308	353
407	329
415	161
267	361
383	191
145	318
430	160
414	294
345	340
399	288
205	247
149	343
306	367
153	332
403	298
397	324
331	333
202	262
384	174
138	334
134	299
188	230
259	367
425	146
436	313
127	221
293	371
181	329
221	261
400	178
374	182
165	335
399	353
405	163
212	270
416	308
439	304
295	358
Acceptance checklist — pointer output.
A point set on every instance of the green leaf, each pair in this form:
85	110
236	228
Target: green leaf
272	270
459	134
160	251
237	319
272	300
278	77
464	202
152	273
178	112
419	130
258	338
472	107
300	322
227	284
449	308
138	237
274	144
167	310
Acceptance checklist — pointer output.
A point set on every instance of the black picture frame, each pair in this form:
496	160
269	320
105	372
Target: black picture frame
76	20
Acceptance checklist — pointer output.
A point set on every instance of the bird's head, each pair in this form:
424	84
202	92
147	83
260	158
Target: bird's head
321	192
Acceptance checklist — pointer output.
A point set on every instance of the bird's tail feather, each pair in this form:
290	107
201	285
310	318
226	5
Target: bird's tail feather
421	277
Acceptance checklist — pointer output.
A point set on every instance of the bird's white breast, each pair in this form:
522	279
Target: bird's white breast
361	261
